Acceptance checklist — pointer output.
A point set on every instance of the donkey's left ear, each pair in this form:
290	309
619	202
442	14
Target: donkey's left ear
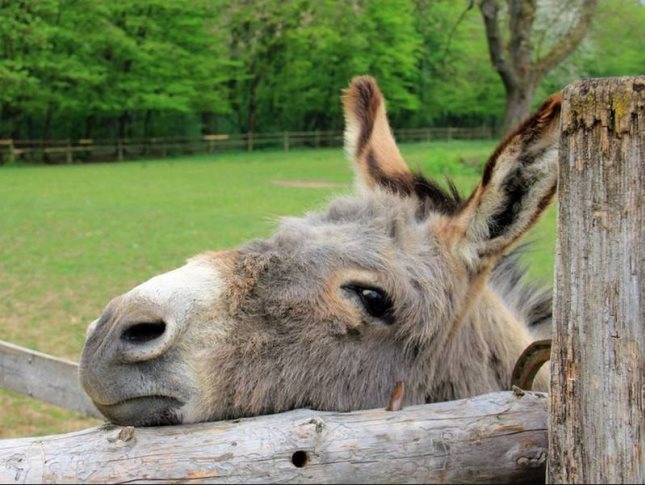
517	185
369	143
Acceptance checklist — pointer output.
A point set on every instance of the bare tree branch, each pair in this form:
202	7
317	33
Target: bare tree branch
489	10
462	16
563	48
521	19
550	29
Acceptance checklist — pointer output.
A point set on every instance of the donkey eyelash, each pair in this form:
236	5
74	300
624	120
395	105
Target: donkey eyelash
376	301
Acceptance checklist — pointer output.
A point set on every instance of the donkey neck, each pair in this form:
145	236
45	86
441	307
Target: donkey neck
478	355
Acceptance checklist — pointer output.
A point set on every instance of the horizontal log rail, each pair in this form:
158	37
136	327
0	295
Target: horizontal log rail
452	441
493	438
43	377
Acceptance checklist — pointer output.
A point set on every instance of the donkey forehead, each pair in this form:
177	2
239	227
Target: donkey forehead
377	231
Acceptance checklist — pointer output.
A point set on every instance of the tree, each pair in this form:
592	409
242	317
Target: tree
295	57
455	83
603	53
516	54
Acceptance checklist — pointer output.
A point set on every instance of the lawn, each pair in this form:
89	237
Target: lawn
73	237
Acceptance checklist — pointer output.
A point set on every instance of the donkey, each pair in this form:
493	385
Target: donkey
403	281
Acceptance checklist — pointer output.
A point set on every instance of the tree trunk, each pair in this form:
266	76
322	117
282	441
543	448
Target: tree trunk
46	134
597	421
513	59
122	125
518	105
494	438
147	124
89	127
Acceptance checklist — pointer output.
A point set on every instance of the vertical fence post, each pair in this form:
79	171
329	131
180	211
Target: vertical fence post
597	399
69	157
285	141
119	150
12	152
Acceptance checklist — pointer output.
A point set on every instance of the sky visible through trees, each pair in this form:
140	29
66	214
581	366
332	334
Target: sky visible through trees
142	68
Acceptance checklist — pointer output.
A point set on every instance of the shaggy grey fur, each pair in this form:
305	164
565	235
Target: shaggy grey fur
283	323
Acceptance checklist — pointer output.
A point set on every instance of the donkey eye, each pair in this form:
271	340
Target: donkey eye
376	302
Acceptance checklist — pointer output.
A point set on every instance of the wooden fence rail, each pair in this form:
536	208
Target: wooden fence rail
494	438
43	377
84	150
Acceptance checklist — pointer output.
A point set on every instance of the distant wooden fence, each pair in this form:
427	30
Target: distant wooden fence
86	150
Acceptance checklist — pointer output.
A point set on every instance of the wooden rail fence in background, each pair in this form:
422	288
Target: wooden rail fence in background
87	150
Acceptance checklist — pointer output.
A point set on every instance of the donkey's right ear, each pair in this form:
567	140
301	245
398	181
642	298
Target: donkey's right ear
518	183
369	143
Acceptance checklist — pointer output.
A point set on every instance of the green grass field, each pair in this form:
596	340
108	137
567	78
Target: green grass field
73	237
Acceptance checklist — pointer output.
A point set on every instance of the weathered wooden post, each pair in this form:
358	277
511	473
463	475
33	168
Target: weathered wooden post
12	152
69	154
597	413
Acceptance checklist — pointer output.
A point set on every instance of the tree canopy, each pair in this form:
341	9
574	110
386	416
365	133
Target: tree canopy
134	68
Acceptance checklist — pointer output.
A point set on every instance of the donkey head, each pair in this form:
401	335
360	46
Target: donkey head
391	284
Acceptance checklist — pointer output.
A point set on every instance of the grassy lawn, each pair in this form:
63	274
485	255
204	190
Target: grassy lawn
73	237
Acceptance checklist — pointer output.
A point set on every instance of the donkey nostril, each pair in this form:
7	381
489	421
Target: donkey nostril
140	333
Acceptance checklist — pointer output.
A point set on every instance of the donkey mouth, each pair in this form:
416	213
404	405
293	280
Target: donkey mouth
143	411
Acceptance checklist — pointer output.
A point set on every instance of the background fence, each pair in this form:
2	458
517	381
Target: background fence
88	150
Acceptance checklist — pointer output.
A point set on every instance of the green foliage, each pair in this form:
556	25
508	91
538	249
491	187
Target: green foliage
84	61
295	57
456	83
130	68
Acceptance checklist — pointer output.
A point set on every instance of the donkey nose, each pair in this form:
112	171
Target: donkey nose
141	333
141	341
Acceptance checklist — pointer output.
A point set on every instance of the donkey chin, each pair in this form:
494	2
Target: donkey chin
134	394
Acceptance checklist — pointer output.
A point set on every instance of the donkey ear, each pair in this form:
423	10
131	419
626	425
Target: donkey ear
369	143
517	185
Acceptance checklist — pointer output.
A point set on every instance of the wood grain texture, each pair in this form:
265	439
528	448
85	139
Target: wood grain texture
44	377
597	422
498	437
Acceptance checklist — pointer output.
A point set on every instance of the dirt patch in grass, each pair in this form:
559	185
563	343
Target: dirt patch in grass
309	184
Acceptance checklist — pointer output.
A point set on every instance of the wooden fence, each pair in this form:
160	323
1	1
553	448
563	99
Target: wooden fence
85	150
596	429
